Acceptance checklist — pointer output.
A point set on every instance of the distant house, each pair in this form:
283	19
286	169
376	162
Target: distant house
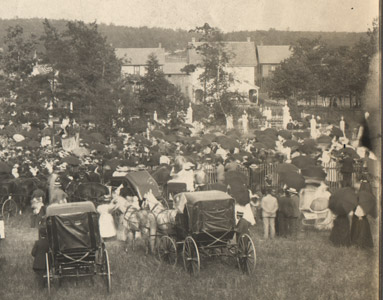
135	59
242	66
173	74
269	58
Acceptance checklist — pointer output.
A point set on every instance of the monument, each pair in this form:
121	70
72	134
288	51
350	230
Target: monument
342	126
285	116
313	127
245	122
155	116
189	115
229	122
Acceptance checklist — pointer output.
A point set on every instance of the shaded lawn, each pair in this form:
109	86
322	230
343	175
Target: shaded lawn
308	268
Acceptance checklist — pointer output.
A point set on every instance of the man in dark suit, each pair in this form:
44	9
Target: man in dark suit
40	248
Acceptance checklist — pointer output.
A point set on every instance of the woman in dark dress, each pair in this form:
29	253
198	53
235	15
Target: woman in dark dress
340	233
341	206
360	227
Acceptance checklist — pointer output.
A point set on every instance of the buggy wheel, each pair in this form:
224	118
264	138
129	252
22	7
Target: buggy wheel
246	254
167	250
107	272
9	208
48	273
191	256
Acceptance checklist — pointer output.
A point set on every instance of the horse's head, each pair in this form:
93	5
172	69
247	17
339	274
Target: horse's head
180	202
121	204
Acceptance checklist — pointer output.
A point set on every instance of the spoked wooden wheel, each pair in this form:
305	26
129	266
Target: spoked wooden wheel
191	256
167	250
9	209
48	273
246	254
107	272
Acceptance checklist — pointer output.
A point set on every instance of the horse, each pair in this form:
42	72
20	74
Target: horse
165	218
133	219
26	187
90	191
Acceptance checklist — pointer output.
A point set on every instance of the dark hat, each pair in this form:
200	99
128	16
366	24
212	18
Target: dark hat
42	232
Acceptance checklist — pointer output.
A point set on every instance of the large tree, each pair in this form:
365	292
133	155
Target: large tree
215	78
86	70
317	69
157	93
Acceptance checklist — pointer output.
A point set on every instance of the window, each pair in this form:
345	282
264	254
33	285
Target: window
137	70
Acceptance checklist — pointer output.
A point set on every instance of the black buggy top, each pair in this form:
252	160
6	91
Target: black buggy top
208	215
73	226
76	248
137	183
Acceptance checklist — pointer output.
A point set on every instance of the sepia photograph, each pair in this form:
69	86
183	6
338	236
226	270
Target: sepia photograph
190	149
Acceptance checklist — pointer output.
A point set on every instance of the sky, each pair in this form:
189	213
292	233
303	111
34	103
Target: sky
228	15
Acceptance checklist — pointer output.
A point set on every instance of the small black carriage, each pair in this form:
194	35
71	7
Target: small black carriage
207	227
76	248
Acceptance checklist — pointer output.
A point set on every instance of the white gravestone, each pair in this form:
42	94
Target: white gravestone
313	127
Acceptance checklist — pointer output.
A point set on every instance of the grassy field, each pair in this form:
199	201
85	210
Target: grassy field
307	268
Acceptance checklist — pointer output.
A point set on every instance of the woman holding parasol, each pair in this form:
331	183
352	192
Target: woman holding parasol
341	203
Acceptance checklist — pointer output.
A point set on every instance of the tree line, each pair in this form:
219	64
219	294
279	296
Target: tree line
317	69
79	70
171	40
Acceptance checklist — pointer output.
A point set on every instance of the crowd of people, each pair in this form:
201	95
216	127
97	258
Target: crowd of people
205	158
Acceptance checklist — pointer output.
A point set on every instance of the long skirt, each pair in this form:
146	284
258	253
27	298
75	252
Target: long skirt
107	228
340	233
361	233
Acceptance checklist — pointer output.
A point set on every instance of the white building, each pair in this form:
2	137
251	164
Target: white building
242	66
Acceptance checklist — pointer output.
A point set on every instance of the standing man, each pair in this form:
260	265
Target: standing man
346	169
269	205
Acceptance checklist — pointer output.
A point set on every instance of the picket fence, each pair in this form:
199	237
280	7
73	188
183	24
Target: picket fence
256	176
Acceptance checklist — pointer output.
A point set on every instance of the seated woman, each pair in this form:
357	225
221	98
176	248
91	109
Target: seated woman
245	218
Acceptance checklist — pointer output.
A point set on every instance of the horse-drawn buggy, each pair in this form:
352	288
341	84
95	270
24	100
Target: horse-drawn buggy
204	225
76	248
137	183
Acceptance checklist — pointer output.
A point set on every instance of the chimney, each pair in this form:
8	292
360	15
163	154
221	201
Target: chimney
248	39
159	45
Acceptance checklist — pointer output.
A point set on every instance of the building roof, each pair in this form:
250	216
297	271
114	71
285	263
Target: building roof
273	54
173	68
139	56
243	54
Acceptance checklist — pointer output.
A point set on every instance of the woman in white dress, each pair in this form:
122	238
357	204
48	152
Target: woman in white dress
106	221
